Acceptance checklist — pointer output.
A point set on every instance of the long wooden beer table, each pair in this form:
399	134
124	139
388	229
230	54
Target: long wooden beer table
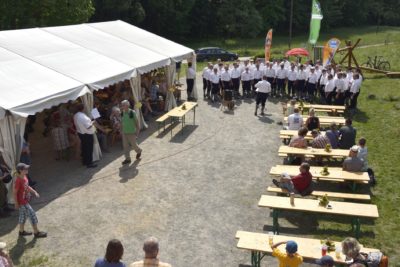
287	134
326	121
259	247
353	210
181	111
338	153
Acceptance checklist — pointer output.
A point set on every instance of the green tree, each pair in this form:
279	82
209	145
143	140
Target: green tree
16	14
273	12
130	11
238	18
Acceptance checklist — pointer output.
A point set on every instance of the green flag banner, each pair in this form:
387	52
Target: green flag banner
315	24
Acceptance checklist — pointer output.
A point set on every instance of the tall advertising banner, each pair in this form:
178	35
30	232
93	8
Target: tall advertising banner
329	51
315	24
268	43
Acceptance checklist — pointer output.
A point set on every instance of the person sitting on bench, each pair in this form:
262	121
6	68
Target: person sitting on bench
301	183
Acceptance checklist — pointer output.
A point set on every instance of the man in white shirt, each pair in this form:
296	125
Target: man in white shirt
226	78
205	75
209	84
190	75
301	81
281	75
355	90
292	77
215	80
263	88
270	73
340	89
312	84
235	76
329	89
322	82
295	120
246	78
84	127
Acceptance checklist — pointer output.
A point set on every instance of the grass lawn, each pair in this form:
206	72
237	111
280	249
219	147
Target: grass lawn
375	120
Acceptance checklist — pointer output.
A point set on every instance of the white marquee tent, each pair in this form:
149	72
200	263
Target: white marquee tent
43	67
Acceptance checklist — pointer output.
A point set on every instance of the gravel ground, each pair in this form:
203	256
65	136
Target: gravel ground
192	191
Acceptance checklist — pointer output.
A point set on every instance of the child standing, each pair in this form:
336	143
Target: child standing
290	258
22	193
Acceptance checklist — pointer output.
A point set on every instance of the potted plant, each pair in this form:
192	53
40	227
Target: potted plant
323	201
325	171
328	148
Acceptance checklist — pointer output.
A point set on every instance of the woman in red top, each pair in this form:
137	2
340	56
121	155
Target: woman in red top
22	194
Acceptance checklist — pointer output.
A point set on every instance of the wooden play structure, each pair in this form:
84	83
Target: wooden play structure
349	56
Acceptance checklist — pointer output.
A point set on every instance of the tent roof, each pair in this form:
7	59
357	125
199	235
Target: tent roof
35	89
42	67
144	38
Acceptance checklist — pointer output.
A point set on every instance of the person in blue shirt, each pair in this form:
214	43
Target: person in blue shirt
113	256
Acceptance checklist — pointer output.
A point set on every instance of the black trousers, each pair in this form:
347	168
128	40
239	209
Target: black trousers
215	88
190	84
290	88
353	101
86	148
205	82
236	84
281	86
301	88
246	85
271	81
261	99
208	88
226	85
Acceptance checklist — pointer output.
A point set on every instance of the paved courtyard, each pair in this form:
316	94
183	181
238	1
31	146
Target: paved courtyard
192	191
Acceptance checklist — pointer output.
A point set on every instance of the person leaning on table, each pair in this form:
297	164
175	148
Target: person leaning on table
353	163
290	258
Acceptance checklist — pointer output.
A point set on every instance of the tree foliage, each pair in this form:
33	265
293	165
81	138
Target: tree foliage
184	19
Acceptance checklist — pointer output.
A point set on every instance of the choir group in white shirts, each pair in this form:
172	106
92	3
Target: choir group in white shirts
303	81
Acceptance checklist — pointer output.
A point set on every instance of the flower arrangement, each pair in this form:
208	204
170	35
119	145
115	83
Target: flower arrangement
325	171
183	107
328	148
323	201
138	105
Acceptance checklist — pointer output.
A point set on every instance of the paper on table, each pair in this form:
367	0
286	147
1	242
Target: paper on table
95	113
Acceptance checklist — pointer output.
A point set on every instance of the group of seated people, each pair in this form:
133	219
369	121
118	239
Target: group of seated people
349	248
115	251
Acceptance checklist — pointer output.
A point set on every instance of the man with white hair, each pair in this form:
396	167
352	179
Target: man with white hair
130	131
150	248
353	163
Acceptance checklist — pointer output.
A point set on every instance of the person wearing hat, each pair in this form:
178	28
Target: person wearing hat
290	258
5	259
301	81
22	193
353	163
325	261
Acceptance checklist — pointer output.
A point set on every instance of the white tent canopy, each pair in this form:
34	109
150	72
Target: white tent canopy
43	67
35	89
145	39
103	43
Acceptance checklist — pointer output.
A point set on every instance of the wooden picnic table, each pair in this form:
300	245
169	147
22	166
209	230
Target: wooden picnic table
326	121
287	134
320	108
335	174
309	151
310	249
180	113
354	210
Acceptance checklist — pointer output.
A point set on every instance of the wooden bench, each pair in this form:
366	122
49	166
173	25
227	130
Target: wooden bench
308	248
365	197
353	210
162	120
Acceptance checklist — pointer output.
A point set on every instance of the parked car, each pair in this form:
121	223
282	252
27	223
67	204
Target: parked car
213	53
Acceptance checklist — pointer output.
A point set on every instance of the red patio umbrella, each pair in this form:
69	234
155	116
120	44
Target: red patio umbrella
297	52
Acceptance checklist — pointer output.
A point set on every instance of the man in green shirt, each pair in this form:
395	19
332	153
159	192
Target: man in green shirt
130	132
